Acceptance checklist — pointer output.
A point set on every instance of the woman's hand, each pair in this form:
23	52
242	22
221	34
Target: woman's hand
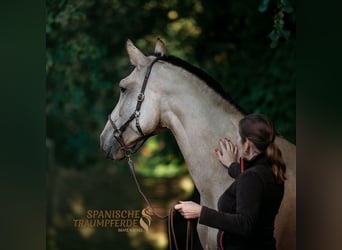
189	209
228	153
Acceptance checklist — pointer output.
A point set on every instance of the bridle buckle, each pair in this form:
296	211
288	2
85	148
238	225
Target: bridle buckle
141	97
128	153
117	133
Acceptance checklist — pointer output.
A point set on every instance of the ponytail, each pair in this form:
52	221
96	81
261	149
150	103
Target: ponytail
276	160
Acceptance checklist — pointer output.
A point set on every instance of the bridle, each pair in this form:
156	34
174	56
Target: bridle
117	134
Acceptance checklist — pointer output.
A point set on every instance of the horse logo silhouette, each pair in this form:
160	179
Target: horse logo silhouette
145	220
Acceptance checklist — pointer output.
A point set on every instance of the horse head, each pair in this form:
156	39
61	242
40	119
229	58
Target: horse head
136	115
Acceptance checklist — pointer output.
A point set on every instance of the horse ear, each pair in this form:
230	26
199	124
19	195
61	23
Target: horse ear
160	48
136	57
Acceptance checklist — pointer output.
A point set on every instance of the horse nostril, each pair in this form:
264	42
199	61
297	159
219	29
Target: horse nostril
103	148
101	145
108	153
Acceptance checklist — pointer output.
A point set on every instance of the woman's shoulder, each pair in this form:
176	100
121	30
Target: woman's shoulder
234	170
260	170
263	172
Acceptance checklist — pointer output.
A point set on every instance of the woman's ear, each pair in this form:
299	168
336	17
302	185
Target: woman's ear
250	147
247	145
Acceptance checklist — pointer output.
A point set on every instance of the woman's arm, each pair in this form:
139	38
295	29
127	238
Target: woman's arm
234	170
189	209
249	195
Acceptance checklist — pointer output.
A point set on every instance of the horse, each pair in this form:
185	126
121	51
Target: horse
165	92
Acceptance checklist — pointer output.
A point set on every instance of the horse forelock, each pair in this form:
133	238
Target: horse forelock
206	78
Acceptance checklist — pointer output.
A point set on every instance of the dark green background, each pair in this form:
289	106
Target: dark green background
23	153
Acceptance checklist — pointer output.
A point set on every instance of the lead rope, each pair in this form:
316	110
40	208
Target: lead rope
171	229
172	235
131	166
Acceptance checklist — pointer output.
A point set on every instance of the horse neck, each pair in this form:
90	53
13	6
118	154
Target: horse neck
198	117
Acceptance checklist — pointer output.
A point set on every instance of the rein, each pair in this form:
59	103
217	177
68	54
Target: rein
117	134
171	229
131	166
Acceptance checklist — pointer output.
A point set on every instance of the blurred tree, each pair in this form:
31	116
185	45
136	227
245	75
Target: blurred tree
86	58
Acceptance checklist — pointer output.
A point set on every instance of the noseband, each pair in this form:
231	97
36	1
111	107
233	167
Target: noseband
117	133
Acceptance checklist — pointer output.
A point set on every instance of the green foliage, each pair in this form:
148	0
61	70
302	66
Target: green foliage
86	58
159	159
283	7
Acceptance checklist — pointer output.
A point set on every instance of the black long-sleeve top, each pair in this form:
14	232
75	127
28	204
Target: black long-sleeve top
247	209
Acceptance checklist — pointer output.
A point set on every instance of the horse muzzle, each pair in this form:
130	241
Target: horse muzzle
111	148
113	153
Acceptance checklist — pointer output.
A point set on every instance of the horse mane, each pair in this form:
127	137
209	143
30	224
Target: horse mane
211	82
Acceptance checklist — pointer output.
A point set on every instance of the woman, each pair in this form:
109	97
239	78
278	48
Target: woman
247	209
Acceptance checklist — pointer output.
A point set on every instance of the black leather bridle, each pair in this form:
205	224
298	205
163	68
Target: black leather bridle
117	133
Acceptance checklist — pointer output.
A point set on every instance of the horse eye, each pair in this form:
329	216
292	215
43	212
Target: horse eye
130	69
122	89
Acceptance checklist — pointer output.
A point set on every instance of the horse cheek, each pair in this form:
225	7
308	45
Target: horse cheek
151	120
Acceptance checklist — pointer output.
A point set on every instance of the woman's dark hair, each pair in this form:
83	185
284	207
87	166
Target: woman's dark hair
258	128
